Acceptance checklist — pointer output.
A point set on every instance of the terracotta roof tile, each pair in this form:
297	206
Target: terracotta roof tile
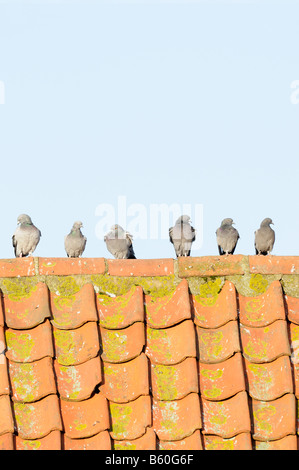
17	267
211	266
193	442
222	380
6	417
215	311
29	345
1	311
140	267
36	420
217	344
78	382
85	418
32	381
170	309
7	441
286	443
146	442
275	419
73	347
130	420
258	345
177	419
172	382
269	380
71	266
274	264
240	442
122	345
29	311
264	309
292	304
4	380
72	311
121	311
50	442
227	418
171	345
126	381
100	441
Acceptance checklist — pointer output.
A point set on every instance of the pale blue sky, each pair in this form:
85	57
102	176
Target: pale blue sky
163	102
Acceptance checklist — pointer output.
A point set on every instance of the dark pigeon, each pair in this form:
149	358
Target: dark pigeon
75	241
264	238
227	237
119	243
182	235
26	237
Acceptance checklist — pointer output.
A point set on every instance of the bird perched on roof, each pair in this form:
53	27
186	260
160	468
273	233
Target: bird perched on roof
75	241
182	235
227	237
264	238
119	243
26	237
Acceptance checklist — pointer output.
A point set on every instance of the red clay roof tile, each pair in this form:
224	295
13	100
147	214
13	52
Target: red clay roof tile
146	442
130	420
140	267
172	382
258	345
264	309
85	418
215	311
2	323
7	441
170	309
217	344
177	419
121	311
78	382
17	267
71	266
72	311
4	380
36	420
275	419
222	380
50	442
100	441
171	345
274	264
122	345
286	443
240	442
126	381
211	266
193	442
292	305
6	417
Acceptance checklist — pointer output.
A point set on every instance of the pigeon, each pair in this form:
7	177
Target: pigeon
182	235
26	237
75	242
227	237
119	243
264	238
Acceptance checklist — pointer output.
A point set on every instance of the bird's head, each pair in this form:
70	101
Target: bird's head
24	219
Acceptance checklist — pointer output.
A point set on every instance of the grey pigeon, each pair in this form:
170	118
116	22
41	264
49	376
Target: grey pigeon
227	237
119	243
264	238
182	235
75	242
26	237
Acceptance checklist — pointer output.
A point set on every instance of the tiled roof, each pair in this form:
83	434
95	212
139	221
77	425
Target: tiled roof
187	354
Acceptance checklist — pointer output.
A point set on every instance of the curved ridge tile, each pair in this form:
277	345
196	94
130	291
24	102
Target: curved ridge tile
222	380
269	380
6	418
122	345
227	418
85	418
78	382
240	442
169	310
130	420
193	442
73	311
265	344
100	441
172	382
286	443
33	380
28	312
29	345
36	420
50	442
171	345
73	347
274	420
216	311
146	442
121	311
263	309
218	344
126	381
292	306
177	419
